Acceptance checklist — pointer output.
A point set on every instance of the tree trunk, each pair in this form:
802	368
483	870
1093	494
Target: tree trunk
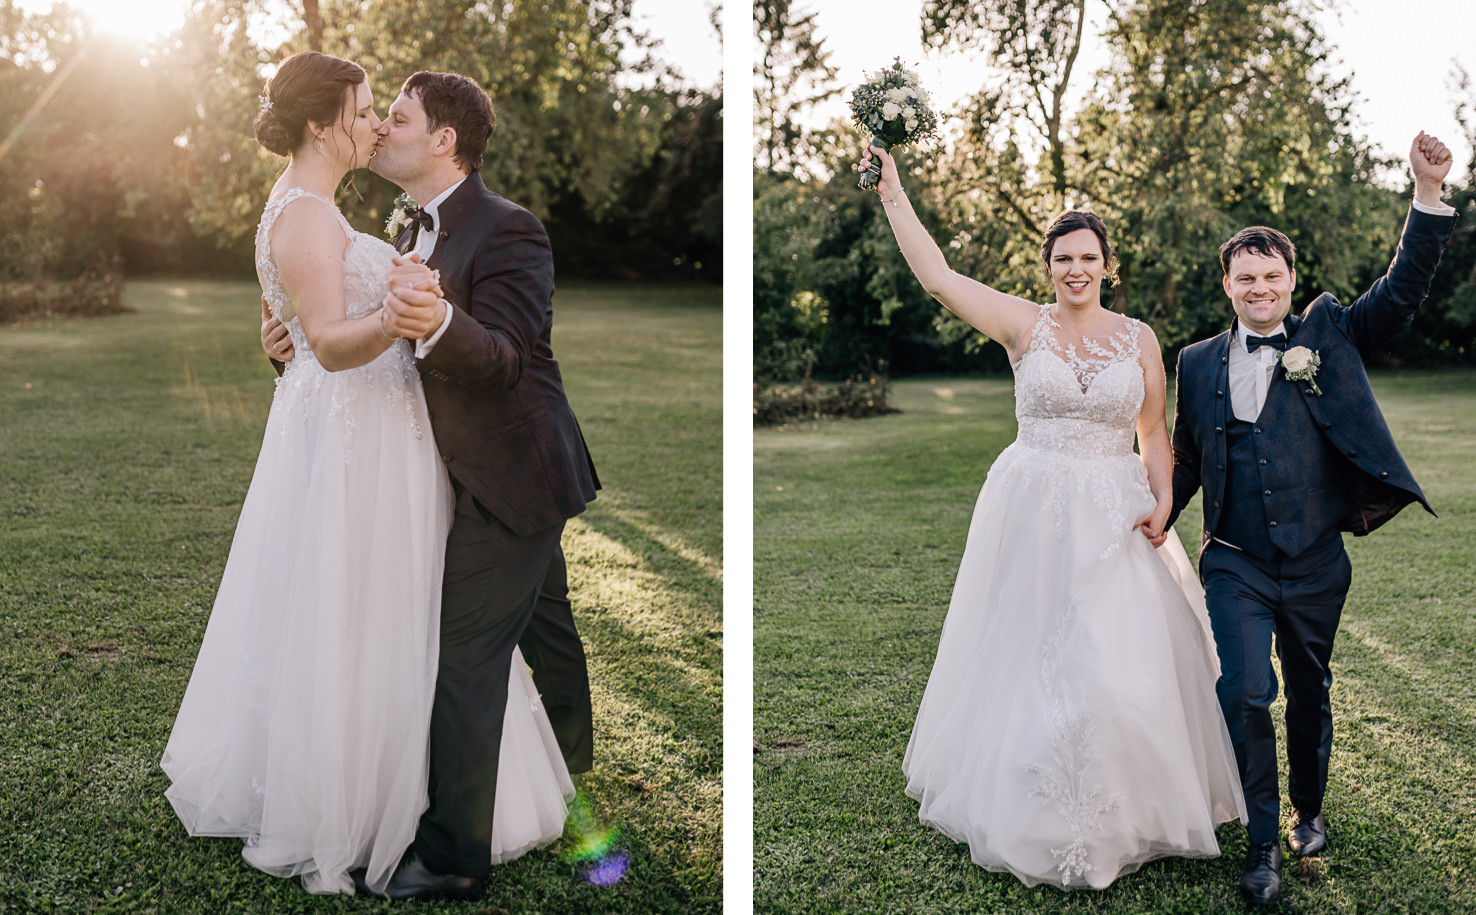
313	19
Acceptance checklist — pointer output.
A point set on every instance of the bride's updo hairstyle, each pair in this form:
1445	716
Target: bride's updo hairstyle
308	86
1069	222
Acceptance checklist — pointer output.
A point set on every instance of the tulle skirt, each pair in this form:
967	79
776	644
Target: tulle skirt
304	728
1069	731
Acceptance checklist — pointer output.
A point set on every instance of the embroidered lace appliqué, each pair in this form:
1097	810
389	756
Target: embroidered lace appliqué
1072	407
366	265
1071	728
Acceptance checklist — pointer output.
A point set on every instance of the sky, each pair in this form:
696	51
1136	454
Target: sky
688	41
1398	64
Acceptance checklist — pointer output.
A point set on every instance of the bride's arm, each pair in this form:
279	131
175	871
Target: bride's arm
307	245
1005	318
1153	440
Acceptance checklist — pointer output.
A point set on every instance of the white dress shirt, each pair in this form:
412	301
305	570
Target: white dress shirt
425	245
1250	373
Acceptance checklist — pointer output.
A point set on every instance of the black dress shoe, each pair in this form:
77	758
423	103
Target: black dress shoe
413	880
1308	835
1260	881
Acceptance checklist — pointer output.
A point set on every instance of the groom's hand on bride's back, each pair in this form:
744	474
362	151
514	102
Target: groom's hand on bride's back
275	339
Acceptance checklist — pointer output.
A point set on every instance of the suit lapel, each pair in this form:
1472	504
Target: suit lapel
1222	411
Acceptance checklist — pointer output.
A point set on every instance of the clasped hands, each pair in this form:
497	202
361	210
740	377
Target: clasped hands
1155	526
415	306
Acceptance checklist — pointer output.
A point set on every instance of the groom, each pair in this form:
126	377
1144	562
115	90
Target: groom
1276	422
515	454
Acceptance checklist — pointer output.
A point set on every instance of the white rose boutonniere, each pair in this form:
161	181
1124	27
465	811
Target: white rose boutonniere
398	220
1301	364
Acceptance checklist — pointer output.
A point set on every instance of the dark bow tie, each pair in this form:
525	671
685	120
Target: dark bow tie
419	219
1275	340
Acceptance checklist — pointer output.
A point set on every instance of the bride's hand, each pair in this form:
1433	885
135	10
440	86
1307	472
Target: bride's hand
1154	526
891	183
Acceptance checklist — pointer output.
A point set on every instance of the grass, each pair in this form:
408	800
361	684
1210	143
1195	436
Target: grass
858	530
126	445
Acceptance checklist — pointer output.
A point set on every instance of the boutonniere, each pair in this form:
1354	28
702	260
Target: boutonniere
398	220
1301	364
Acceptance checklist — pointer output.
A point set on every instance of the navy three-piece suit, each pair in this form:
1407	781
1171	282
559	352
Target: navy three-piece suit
1282	489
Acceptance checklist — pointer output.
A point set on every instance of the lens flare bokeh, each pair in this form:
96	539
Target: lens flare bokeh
597	849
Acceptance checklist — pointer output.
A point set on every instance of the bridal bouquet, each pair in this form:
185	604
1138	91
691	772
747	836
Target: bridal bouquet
894	107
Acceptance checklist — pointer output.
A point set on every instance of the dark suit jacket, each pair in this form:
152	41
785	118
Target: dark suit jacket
492	385
1379	483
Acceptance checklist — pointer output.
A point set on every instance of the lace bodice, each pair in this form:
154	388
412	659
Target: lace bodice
366	265
1079	399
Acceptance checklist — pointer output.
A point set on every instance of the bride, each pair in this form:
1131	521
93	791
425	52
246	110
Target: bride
1069	731
305	724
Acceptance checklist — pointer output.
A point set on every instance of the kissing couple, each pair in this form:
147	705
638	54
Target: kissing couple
361	712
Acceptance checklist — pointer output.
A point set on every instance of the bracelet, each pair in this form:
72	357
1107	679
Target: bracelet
387	335
893	199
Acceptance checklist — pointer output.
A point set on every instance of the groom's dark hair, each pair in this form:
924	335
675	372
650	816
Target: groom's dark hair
452	100
1261	241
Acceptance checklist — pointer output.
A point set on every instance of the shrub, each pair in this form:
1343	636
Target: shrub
854	398
98	291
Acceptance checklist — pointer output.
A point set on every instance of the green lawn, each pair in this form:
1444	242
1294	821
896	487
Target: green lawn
126	445
858	530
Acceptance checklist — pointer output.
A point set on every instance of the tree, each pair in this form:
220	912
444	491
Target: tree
1212	117
1208	117
1031	46
792	75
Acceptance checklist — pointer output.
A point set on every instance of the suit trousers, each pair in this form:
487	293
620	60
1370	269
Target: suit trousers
1298	601
489	593
552	648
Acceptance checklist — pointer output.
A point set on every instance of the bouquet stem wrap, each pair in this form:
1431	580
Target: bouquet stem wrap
872	176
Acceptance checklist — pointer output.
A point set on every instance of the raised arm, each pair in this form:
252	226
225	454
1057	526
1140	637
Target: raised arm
1153	440
1389	305
307	245
999	316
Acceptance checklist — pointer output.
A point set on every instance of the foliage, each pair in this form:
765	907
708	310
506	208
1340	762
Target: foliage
792	74
669	220
832	293
127	448
1218	116
87	171
1207	117
1020	39
94	292
586	122
853	398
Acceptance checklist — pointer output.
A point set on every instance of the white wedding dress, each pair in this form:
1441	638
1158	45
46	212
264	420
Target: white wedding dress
1069	731
304	729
